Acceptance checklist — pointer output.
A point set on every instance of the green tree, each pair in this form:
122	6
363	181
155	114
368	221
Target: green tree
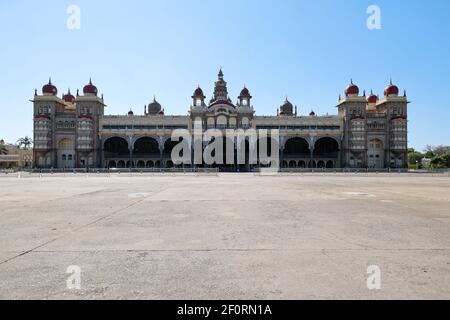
446	160
437	163
429	154
414	157
26	142
441	151
436	151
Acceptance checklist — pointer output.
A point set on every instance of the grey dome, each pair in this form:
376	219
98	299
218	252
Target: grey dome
287	107
154	107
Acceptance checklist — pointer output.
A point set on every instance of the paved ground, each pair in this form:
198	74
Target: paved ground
225	236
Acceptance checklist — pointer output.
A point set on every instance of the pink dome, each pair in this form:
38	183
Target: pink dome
352	89
90	88
69	97
372	98
50	88
391	90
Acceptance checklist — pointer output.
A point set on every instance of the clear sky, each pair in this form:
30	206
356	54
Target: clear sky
307	50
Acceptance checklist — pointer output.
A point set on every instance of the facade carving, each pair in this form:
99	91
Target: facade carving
74	132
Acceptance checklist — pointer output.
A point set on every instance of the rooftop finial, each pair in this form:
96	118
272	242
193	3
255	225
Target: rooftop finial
50	80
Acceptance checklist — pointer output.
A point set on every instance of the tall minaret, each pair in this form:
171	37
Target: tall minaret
220	90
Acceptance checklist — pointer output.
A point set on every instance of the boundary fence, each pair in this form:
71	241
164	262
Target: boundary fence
93	172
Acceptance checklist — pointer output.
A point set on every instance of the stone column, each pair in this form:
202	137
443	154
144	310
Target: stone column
130	147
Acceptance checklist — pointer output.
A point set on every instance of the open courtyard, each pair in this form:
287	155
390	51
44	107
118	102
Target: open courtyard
225	236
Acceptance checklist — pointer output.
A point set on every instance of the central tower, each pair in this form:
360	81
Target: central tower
220	89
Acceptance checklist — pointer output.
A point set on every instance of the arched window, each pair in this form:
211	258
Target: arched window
245	122
222	122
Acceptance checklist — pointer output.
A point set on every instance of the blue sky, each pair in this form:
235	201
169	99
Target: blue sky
307	50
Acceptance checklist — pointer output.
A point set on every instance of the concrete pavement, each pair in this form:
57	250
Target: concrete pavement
226	236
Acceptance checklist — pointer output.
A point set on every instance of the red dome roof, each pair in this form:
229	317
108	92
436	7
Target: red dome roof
312	113
391	89
49	88
372	98
352	89
226	102
245	92
69	97
90	88
198	92
130	113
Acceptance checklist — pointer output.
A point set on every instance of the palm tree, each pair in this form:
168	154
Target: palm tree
26	142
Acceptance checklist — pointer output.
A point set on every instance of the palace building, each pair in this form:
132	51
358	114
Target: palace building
73	131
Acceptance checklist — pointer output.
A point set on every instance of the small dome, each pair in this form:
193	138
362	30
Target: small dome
49	88
391	90
312	113
287	108
245	93
198	92
154	107
69	97
130	113
90	88
352	89
372	98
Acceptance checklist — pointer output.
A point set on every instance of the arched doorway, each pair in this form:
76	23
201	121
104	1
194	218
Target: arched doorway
169	164
326	148
66	153
269	144
167	151
297	147
375	154
140	164
115	147
301	164
146	147
320	164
